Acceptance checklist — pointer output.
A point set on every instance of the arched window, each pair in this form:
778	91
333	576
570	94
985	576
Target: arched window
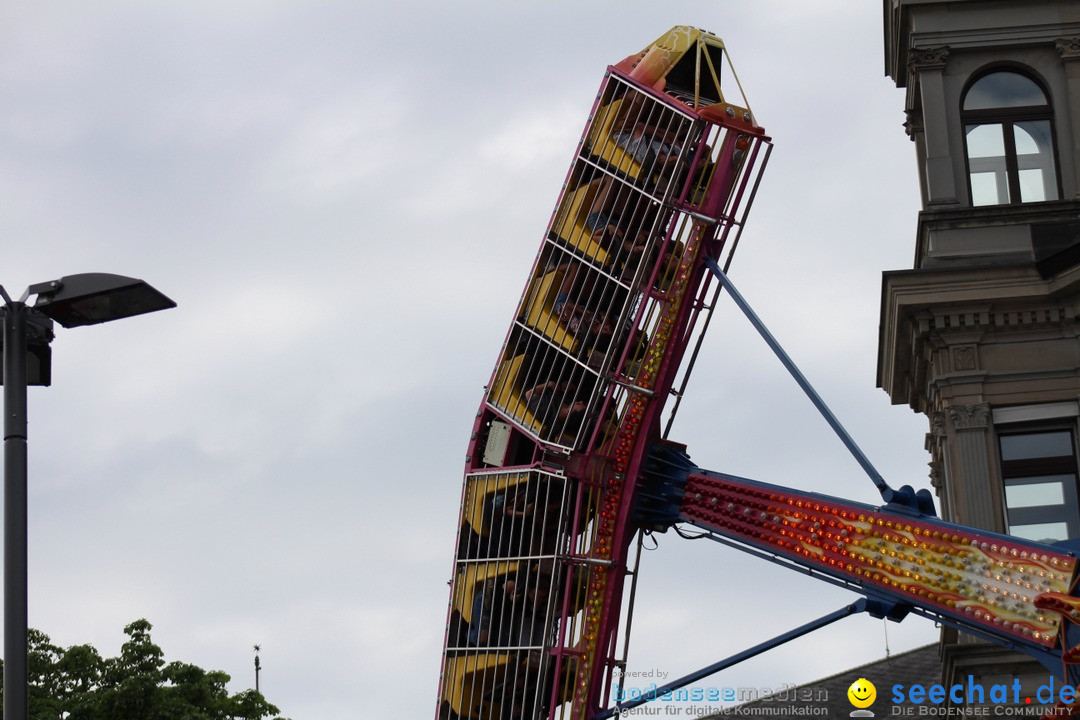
1008	140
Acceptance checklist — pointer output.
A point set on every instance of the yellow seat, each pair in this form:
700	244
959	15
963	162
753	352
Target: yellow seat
506	395
480	489
471	579
473	683
540	309
603	146
570	224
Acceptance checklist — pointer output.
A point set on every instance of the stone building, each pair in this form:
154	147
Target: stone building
981	334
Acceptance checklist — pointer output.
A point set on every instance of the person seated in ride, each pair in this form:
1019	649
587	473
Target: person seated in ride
655	149
549	522
571	287
480	627
511	520
622	221
609	217
506	607
591	329
554	405
586	309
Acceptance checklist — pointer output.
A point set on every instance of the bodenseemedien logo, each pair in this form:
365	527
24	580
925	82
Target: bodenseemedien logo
862	694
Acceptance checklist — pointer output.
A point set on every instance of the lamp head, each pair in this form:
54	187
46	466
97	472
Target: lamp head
92	298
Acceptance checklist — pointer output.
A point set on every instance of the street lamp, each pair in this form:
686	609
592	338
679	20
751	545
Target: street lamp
85	299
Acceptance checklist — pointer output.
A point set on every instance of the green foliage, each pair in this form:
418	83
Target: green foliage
78	684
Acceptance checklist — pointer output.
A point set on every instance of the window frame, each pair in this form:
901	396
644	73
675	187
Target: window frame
1007	119
1068	511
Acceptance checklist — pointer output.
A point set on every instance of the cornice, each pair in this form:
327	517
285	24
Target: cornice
977	38
923	309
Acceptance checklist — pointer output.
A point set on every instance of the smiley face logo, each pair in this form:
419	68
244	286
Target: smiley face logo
862	693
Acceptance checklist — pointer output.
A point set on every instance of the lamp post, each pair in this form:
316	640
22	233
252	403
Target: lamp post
258	667
85	299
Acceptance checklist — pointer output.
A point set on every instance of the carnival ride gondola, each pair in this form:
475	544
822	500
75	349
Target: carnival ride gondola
568	459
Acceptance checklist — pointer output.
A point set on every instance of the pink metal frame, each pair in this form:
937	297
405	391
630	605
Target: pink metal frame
702	199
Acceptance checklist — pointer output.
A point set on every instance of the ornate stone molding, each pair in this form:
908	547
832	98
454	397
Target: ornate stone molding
935	475
913	123
965	357
1068	48
920	59
937	425
970	417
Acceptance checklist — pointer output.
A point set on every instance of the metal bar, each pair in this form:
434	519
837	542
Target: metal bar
693	361
757	173
858	606
883	487
15	532
621	662
774	558
747	171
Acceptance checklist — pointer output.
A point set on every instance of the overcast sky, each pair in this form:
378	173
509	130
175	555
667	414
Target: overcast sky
344	198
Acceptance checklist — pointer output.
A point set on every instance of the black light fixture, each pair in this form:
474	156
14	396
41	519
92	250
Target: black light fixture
92	298
74	300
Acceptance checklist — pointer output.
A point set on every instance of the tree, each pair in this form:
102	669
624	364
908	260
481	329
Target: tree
78	684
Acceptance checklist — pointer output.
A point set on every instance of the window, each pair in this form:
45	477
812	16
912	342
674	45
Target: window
1040	475
1008	140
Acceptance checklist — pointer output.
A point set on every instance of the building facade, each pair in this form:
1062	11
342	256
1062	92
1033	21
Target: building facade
981	335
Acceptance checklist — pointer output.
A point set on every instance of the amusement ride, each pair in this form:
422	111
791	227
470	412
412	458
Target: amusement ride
569	462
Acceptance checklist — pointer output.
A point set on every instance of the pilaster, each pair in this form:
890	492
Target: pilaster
928	64
970	465
1069	50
